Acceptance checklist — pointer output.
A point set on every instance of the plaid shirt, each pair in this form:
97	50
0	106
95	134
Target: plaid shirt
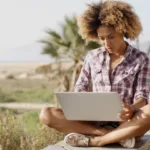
131	78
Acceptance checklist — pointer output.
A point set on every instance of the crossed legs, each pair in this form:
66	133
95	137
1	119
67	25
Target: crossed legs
137	126
54	118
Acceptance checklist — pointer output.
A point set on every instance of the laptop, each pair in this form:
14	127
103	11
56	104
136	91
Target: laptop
90	106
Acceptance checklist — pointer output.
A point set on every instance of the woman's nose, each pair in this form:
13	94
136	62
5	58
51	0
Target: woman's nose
106	43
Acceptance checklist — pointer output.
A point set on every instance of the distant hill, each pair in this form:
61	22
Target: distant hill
32	53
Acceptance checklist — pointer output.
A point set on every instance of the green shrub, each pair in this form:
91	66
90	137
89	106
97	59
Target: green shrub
27	96
14	137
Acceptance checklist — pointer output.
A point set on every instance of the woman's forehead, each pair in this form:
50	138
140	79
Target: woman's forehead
105	31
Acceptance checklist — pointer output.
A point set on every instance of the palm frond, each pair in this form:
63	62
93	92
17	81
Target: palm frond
52	33
68	43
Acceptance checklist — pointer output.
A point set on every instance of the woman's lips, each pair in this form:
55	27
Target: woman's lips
109	48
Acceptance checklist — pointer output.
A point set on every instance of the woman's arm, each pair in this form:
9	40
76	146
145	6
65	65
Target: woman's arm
83	81
129	110
140	102
142	90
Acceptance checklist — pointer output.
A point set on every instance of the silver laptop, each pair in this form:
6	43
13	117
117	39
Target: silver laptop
90	106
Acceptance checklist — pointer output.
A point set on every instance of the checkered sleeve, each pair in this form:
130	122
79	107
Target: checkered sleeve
143	82
84	77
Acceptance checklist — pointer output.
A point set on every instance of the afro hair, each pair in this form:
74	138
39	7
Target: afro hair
117	14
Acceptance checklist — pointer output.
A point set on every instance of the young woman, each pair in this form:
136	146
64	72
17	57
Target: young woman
117	67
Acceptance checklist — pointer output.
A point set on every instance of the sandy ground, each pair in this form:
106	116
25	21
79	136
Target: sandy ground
22	70
18	67
26	105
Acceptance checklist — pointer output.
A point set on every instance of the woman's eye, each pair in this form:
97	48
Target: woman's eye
111	37
102	39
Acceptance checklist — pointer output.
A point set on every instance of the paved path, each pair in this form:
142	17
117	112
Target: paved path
25	105
144	144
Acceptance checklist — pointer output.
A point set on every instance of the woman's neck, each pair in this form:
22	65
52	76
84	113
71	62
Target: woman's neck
121	51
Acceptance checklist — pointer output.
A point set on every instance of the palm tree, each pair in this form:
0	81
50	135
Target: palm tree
67	45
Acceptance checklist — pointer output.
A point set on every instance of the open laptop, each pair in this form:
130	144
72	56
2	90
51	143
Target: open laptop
90	106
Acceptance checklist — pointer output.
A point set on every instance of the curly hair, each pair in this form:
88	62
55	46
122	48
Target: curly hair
117	14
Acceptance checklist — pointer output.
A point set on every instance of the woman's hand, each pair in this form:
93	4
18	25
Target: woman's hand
127	112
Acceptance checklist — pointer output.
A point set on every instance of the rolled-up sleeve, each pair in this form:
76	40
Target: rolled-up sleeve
143	82
84	77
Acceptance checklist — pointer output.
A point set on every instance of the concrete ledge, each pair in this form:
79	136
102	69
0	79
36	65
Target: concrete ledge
143	144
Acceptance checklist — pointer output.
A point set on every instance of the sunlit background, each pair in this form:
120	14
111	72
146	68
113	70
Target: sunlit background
28	78
22	24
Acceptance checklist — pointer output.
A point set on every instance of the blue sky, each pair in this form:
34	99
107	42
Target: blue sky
22	22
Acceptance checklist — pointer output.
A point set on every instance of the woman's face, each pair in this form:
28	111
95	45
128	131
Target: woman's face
110	39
